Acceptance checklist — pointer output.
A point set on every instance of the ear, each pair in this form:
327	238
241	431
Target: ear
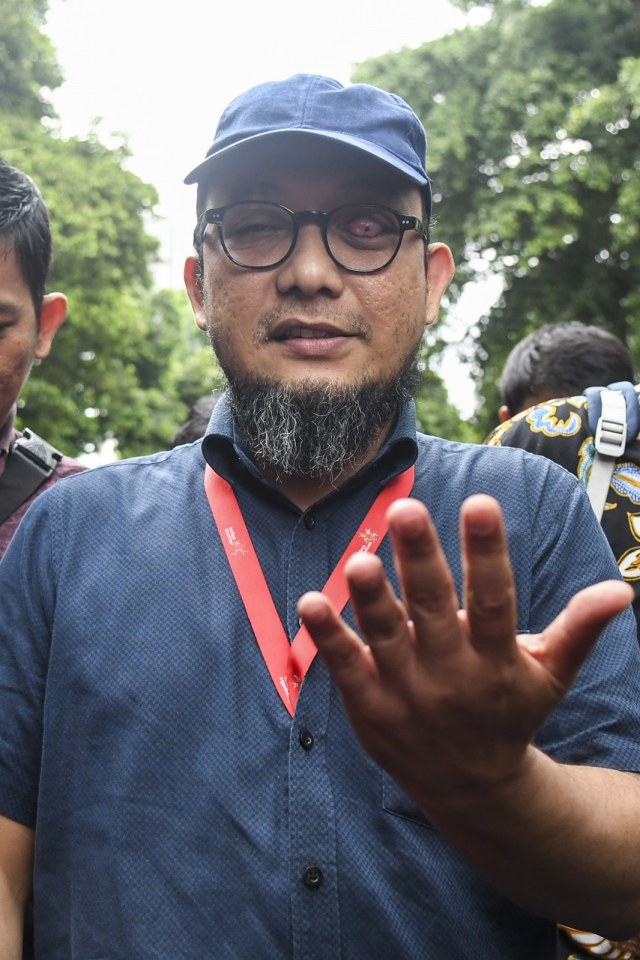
52	315
504	413
193	283
440	271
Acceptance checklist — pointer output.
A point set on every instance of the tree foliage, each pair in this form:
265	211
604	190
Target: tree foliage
435	414
534	131
28	67
128	362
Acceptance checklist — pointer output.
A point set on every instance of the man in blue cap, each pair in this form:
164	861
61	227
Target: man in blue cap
191	779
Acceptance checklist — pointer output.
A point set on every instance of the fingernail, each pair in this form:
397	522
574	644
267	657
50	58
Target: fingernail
481	525
411	528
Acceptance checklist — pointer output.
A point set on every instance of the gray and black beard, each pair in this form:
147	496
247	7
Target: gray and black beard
316	429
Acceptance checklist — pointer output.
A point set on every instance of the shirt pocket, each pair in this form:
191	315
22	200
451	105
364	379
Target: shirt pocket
398	804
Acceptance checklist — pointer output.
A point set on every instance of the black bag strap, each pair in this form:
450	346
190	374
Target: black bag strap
30	462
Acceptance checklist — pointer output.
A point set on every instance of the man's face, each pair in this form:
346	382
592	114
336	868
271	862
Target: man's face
308	320
23	337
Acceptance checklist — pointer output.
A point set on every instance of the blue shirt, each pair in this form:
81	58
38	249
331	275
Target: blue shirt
180	813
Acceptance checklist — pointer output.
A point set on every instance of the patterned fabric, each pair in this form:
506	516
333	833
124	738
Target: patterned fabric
559	429
66	467
181	812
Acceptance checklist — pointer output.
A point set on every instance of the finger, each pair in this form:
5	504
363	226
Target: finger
342	650
566	643
428	587
489	589
381	617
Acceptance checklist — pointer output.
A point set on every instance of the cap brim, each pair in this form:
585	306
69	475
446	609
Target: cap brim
207	167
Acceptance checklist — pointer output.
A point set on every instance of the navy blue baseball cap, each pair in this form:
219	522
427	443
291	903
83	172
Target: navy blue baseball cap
361	116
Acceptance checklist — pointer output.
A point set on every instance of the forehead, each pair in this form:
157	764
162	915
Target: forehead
290	163
15	295
11	275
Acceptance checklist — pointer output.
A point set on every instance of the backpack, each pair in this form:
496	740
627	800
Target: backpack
30	462
614	419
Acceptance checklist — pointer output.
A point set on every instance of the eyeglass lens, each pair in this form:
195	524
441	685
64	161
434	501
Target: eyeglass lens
360	237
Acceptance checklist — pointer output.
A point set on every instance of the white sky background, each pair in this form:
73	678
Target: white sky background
161	74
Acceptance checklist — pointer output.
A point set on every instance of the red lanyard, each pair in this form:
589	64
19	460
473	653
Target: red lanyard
288	663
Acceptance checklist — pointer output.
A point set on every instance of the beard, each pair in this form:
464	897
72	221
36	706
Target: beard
317	429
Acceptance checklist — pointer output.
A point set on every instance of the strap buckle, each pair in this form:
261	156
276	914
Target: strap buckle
37	452
611	432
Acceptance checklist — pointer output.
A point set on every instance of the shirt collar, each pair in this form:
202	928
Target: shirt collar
226	453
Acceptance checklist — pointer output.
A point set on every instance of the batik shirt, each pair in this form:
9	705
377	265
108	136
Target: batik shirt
559	430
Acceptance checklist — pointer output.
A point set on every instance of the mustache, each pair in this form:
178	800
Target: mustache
348	320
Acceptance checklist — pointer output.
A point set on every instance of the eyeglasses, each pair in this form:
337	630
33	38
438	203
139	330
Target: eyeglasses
361	237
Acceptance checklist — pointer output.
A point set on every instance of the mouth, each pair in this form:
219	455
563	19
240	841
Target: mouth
299	331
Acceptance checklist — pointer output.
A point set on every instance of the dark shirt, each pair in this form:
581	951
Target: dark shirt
65	468
181	813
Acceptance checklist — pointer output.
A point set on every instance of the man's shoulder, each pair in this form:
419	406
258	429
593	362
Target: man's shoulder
475	466
158	475
432	448
142	499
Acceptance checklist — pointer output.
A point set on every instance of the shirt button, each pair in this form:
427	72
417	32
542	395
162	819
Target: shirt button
309	521
306	740
312	877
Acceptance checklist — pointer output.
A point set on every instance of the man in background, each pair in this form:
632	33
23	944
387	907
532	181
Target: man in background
554	368
560	360
197	421
29	319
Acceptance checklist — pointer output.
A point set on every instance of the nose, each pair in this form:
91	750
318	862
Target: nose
309	270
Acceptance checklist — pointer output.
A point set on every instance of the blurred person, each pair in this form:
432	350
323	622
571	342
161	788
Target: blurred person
187	777
565	368
29	319
197	421
560	360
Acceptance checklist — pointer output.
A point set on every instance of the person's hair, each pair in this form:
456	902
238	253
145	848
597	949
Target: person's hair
24	229
197	420
562	360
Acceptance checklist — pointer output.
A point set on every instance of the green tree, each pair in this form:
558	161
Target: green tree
28	66
533	122
127	361
436	415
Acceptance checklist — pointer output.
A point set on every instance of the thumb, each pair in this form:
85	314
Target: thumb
568	640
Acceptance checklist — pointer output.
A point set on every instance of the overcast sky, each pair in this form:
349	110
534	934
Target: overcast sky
162	73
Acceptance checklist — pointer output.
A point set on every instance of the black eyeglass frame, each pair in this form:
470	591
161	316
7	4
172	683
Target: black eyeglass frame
405	222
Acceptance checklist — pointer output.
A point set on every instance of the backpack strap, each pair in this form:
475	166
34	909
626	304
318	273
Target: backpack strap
610	441
632	399
30	462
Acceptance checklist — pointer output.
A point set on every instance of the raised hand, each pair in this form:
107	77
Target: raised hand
448	700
